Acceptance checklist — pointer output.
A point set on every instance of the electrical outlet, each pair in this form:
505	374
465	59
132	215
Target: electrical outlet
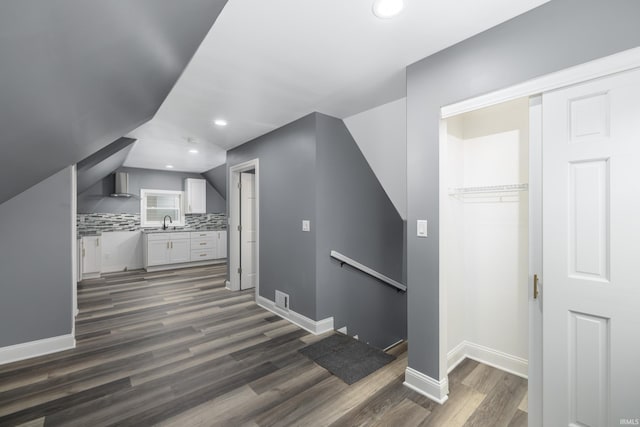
306	225
282	300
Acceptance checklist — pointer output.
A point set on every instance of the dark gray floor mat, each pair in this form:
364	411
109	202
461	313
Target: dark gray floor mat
347	358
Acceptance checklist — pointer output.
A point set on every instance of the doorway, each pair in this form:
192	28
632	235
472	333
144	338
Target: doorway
484	211
244	211
588	131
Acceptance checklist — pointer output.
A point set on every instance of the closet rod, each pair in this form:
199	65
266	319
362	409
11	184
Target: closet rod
511	188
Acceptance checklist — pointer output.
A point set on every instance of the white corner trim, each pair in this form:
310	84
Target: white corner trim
616	63
438	391
37	348
315	327
498	359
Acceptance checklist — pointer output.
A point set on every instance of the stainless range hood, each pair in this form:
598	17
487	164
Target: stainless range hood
122	185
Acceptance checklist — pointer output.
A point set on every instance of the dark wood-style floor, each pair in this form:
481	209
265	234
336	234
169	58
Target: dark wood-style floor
177	349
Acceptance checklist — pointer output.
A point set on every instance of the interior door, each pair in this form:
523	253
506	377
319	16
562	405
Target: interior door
591	248
248	230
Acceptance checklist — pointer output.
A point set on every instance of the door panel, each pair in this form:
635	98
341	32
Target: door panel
248	234
180	250
591	244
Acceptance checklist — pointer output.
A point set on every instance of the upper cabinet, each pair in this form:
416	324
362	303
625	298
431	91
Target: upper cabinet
196	195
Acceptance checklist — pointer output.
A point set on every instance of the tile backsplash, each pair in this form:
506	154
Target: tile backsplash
102	222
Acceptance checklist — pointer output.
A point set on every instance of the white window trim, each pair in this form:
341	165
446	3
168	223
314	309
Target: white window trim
177	222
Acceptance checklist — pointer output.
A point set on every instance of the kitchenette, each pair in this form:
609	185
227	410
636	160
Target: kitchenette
166	226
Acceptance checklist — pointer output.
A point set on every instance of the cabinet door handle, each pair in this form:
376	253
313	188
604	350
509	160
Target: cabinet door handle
97	242
203	243
167	245
535	286
171	245
203	254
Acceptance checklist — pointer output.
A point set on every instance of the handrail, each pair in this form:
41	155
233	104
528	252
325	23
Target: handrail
389	281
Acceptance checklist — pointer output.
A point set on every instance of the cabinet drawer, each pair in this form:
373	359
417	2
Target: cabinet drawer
203	234
202	244
168	236
202	254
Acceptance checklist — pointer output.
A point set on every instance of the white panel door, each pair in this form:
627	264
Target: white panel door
248	230
591	249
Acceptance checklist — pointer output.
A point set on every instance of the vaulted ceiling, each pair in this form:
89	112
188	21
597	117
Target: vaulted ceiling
76	75
267	63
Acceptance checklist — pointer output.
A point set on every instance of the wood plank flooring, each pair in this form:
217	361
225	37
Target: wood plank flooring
178	349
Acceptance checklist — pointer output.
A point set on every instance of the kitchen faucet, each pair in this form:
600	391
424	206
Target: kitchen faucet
164	222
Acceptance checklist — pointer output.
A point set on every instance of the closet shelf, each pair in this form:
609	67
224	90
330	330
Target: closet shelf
499	190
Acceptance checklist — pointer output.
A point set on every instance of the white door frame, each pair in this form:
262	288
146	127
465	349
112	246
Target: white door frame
616	63
234	220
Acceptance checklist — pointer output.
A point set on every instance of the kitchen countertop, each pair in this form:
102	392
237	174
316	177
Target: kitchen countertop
82	234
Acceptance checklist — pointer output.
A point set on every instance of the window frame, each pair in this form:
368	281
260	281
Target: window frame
177	222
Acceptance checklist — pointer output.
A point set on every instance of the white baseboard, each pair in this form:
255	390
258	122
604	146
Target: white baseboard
227	285
438	391
37	348
310	325
498	359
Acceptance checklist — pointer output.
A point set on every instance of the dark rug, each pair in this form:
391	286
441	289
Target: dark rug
347	358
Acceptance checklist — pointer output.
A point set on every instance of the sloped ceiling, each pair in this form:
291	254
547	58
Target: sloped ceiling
102	163
78	74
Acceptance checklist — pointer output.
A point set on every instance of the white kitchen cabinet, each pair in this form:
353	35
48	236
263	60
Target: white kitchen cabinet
166	248
221	244
203	245
196	195
91	257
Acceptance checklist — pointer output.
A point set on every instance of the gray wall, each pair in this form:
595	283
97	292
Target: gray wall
557	35
77	75
287	196
356	217
96	199
217	177
36	262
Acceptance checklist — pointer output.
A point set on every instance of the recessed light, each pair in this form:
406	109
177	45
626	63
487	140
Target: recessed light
220	122
169	166
387	8
193	151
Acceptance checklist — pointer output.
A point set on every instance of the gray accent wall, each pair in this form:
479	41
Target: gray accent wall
287	196
557	35
356	217
217	177
96	198
36	262
79	74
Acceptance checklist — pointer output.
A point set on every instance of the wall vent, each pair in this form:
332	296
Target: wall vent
282	300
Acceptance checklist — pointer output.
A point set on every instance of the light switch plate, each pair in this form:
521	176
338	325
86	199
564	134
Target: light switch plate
306	225
422	228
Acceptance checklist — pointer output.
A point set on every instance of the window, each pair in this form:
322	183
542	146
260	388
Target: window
155	204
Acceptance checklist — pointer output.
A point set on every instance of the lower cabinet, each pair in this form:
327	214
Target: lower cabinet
165	249
91	257
222	244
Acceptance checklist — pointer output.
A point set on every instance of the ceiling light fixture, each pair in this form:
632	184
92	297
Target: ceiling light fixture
220	122
169	166
387	8
193	151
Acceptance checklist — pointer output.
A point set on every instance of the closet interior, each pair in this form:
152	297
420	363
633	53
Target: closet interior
484	235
